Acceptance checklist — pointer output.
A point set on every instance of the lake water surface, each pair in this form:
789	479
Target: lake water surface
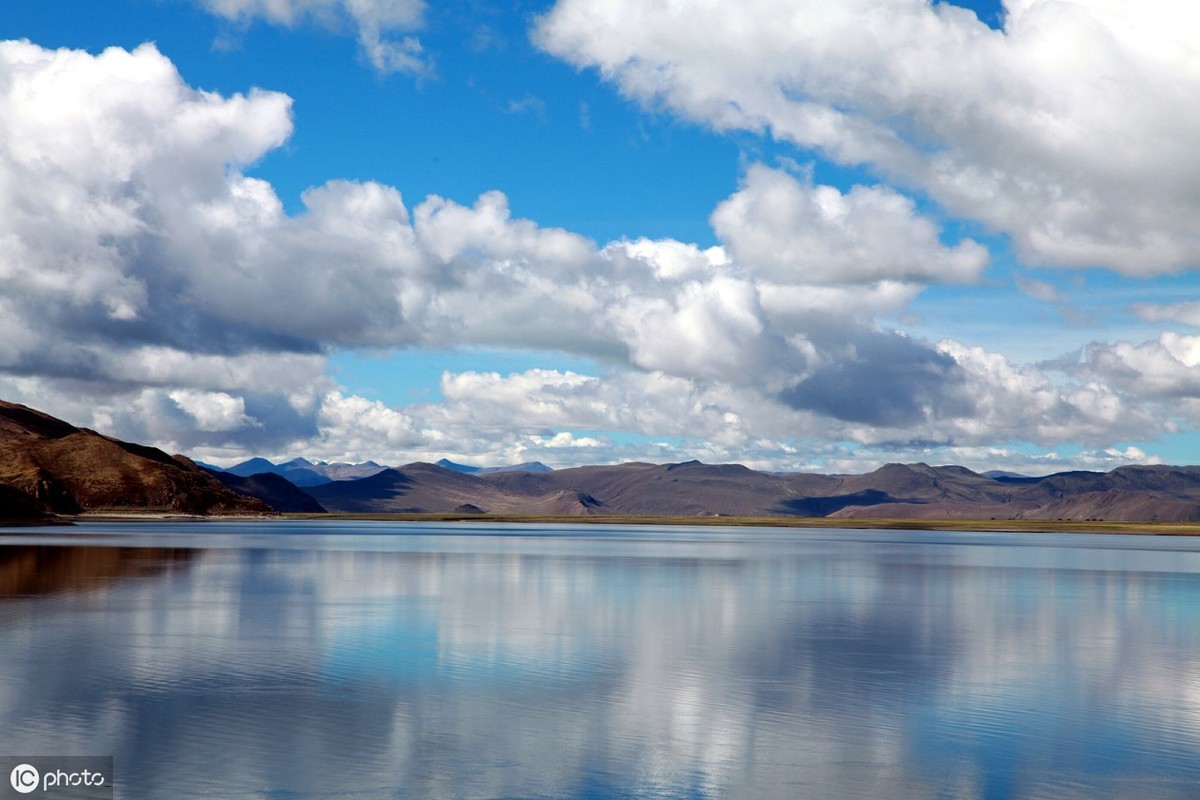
377	660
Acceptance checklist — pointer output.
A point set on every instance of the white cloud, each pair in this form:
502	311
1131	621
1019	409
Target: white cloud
353	424
793	232
491	417
86	142
212	411
1187	313
1071	129
1168	367
564	439
712	329
150	288
1014	403
378	24
792	306
552	416
142	238
670	259
651	404
529	104
1038	290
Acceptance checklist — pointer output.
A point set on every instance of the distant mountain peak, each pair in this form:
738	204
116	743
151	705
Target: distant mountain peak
304	472
251	465
299	462
468	469
446	463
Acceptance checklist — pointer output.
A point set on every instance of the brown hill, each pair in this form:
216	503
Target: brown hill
71	470
428	488
911	491
409	489
919	491
1119	505
274	490
665	489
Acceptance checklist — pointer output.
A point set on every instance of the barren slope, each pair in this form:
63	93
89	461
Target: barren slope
909	491
72	470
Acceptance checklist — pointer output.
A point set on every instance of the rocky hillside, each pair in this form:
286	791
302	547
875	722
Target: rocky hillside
273	489
419	488
69	470
18	506
914	491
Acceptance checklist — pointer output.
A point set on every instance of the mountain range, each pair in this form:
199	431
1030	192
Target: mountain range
906	491
49	466
301	471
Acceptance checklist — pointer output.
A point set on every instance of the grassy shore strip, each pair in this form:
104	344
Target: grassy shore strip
1000	525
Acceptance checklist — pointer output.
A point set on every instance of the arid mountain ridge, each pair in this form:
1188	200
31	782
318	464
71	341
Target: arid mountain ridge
50	466
907	491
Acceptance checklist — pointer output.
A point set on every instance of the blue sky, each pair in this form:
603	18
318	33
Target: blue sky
797	235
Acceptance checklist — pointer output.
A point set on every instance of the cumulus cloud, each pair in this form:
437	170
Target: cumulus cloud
540	402
994	404
1014	403
885	381
792	231
953	399
212	411
151	288
567	418
1167	367
355	424
378	24
1070	129
128	232
708	329
191	421
102	160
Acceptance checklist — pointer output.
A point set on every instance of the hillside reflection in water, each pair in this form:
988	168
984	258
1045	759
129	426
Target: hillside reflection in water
250	661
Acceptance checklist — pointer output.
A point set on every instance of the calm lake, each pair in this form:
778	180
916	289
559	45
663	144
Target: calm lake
378	660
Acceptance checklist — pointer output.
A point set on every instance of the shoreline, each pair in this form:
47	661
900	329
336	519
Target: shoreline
35	523
864	523
837	523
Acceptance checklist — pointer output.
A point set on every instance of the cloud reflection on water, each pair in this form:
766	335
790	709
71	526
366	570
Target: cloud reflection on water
515	666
